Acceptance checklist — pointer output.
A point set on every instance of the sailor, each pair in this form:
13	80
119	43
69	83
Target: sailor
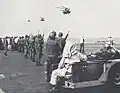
82	40
5	45
61	40
54	35
30	46
40	43
22	44
1	44
15	41
26	46
110	39
19	44
51	48
70	56
33	48
11	42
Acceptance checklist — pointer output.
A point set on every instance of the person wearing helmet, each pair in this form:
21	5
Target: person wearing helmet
5	46
1	44
60	34
22	44
51	51
26	46
40	42
51	47
12	43
52	35
19	44
61	41
33	49
70	56
30	45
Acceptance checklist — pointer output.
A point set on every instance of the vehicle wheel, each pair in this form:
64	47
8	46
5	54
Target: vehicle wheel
114	78
117	79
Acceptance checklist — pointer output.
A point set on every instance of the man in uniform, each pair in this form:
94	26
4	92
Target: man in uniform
82	40
51	48
19	44
54	34
40	43
33	48
13	43
22	44
1	44
61	40
110	39
30	46
5	45
26	46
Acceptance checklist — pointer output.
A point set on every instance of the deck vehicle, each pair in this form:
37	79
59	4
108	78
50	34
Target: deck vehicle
94	73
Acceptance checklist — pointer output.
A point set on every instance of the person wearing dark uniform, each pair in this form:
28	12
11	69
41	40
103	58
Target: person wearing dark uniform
19	44
22	44
54	34
33	48
30	46
51	47
1	44
61	40
26	46
82	40
40	43
51	52
13	43
6	46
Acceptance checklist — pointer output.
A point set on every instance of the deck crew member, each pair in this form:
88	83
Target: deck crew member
82	40
6	45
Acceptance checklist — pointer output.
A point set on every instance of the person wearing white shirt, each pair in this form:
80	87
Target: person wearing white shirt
82	40
110	40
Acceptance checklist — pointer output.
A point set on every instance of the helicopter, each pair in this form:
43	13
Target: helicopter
28	20
65	10
42	19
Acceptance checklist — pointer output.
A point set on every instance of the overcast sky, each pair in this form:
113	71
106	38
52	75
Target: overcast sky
93	18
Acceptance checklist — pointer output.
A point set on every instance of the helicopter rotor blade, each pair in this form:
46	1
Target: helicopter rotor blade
60	7
62	10
63	6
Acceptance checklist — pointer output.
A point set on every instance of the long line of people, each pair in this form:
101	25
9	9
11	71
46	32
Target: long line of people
34	46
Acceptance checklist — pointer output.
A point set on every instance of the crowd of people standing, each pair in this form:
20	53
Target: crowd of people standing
35	46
